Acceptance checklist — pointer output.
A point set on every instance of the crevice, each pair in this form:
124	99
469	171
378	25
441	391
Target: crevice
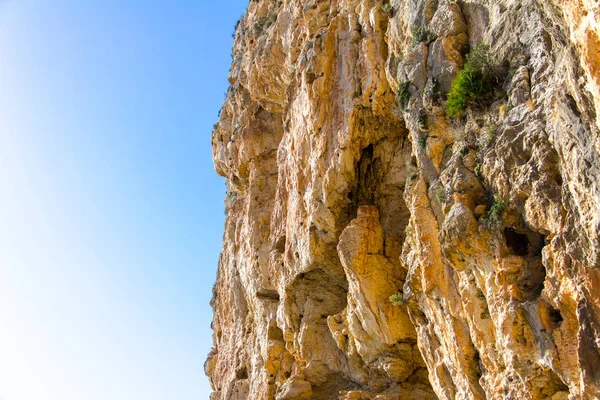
550	317
363	191
241	373
548	384
517	242
267	294
523	242
381	174
280	244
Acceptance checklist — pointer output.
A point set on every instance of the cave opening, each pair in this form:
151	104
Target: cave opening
526	243
366	177
517	242
555	316
242	373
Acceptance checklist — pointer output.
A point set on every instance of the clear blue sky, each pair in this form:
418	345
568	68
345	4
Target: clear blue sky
111	215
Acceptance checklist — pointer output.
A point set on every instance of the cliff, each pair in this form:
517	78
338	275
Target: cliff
387	238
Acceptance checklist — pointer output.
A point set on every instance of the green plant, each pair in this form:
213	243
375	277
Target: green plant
411	173
387	9
432	92
396	60
477	171
421	34
488	134
263	23
464	151
432	86
237	24
397	299
423	141
422	120
475	83
403	95
259	26
440	194
495	211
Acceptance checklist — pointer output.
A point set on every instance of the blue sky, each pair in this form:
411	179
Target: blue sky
111	215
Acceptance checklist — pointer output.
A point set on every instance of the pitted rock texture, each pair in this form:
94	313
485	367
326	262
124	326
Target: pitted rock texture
487	227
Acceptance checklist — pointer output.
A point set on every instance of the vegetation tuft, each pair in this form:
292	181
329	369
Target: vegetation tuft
423	141
477	171
421	34
397	299
495	211
403	95
387	9
440	195
433	86
488	134
475	83
411	173
422	120
264	23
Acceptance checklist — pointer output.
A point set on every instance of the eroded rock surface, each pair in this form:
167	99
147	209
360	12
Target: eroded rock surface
487	227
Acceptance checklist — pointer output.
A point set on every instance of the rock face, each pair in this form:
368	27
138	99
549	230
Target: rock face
485	227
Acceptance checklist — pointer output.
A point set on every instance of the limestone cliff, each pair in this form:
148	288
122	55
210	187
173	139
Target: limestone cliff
348	183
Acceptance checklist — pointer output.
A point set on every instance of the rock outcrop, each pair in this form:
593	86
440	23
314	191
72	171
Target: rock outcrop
348	183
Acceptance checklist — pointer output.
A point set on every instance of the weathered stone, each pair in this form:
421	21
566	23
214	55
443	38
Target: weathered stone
413	68
448	20
486	229
295	389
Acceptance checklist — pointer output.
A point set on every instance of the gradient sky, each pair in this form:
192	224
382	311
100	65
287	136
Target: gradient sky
111	215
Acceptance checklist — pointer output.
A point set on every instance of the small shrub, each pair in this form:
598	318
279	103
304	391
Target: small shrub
264	23
397	299
495	211
411	173
477	171
423	141
403	95
396	60
422	120
440	194
467	88
235	28
433	86
432	93
488	134
421	34
387	9
259	26
475	83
